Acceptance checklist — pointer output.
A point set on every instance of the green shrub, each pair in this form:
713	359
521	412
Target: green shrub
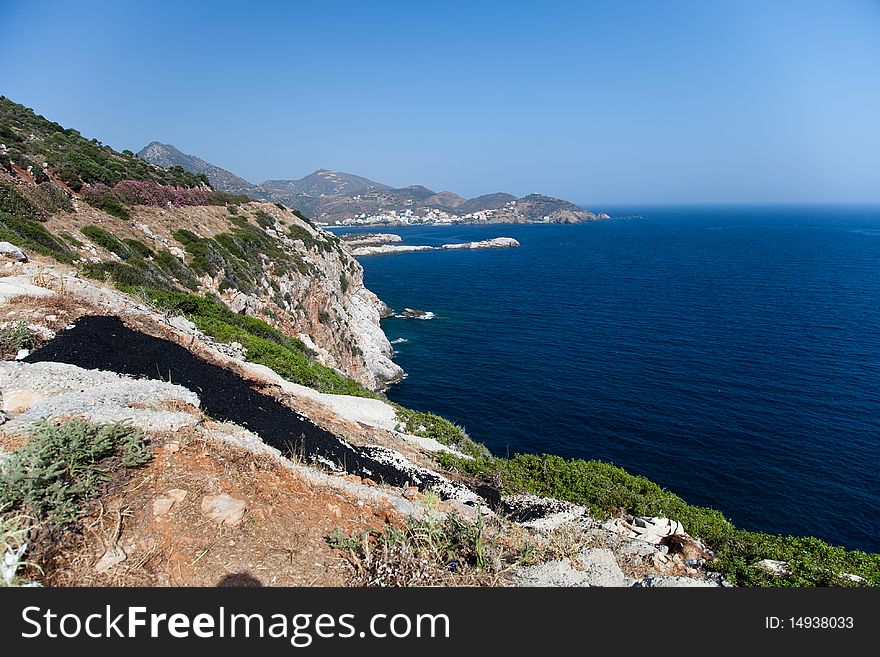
605	489
174	268
32	236
113	207
263	343
429	425
15	336
70	239
106	240
138	248
52	198
62	465
13	202
298	232
302	216
225	198
264	219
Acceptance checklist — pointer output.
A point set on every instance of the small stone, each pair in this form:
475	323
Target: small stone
12	252
51	318
600	567
114	556
172	447
22	354
18	401
177	494
162	505
410	492
223	509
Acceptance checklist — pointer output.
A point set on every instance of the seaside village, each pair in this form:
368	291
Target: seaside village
430	216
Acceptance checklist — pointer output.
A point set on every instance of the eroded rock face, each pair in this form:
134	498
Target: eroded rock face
322	301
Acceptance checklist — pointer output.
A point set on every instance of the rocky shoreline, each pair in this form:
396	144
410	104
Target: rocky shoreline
387	243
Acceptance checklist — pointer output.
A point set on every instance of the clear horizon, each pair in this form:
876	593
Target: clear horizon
636	105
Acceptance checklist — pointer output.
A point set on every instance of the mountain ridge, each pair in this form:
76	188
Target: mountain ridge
337	197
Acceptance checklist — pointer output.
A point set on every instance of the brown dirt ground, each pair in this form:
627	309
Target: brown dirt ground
281	540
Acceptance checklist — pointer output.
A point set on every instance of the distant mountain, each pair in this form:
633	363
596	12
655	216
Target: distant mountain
324	182
486	202
336	197
166	155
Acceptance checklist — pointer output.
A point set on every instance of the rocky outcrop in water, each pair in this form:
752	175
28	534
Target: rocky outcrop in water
381	244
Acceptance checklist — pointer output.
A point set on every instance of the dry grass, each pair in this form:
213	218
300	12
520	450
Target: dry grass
65	307
439	551
280	541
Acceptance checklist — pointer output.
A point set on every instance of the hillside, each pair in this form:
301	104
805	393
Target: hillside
139	231
335	197
167	156
191	393
324	183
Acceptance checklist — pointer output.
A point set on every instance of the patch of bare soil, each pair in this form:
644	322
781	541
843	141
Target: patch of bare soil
164	526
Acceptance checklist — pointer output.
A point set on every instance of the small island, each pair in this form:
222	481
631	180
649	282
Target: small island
366	244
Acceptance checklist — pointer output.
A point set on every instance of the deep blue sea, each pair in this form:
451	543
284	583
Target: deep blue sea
732	355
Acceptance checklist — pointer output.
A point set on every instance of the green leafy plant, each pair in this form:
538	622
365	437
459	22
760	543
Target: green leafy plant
15	336
429	425
264	219
64	464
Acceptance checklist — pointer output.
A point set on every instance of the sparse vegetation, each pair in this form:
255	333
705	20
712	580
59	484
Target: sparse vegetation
449	550
605	489
429	425
264	219
62	465
73	158
241	255
105	239
32	236
263	343
113	207
15	336
20	224
14	530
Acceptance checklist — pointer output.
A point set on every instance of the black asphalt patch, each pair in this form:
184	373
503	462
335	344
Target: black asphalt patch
105	343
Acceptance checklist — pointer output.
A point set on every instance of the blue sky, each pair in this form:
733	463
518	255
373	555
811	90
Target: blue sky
599	102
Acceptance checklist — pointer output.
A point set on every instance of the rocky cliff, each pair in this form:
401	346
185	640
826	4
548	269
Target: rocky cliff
262	261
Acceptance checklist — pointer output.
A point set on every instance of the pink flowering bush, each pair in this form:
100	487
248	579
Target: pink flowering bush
146	192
